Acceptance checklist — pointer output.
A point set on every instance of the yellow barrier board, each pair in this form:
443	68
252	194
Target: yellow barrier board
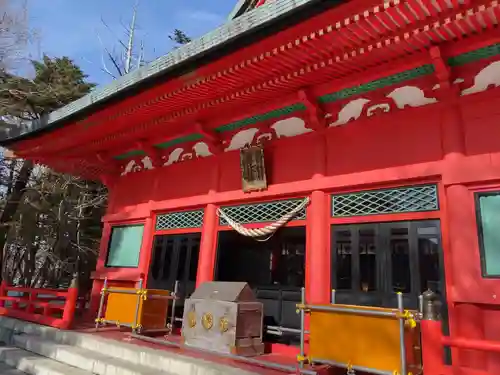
121	308
358	340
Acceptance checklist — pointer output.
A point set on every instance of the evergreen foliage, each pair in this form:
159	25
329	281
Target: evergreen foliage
179	37
48	220
57	82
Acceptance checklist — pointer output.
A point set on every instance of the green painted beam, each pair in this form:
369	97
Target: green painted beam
421	71
176	141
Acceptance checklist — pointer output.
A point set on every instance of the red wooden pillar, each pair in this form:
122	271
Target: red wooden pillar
432	348
3	292
466	319
69	307
317	252
208	245
95	294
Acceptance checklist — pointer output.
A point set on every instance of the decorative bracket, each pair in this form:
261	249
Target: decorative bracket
315	113
105	159
441	69
447	90
152	152
210	137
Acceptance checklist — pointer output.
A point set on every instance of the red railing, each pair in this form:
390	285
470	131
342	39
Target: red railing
51	307
433	343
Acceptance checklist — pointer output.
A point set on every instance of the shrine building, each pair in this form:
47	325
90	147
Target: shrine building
346	145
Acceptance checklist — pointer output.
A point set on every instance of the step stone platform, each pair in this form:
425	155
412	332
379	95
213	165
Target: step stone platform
39	350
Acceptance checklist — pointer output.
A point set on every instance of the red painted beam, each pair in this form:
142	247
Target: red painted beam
481	345
266	78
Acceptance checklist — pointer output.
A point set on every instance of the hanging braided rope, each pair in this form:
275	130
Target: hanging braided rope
268	230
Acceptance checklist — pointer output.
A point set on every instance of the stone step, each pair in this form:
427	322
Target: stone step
30	363
7	370
90	361
173	362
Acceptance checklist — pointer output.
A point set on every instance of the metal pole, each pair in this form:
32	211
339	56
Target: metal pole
302	327
118	291
351	310
333	296
137	306
172	319
362	369
402	343
101	303
420	304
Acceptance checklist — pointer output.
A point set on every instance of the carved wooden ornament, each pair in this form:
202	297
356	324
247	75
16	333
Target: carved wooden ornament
253	169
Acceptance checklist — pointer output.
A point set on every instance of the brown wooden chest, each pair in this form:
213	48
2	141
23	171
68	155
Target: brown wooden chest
224	317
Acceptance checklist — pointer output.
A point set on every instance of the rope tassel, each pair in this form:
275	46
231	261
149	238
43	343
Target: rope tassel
268	230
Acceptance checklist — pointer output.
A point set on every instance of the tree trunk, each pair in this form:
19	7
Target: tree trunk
12	203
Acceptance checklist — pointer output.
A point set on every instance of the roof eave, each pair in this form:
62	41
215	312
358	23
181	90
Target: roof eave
238	9
252	35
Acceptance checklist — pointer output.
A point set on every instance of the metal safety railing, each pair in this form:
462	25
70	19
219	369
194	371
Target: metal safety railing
400	314
279	330
142	295
403	316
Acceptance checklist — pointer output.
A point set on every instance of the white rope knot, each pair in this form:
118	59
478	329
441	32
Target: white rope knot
268	230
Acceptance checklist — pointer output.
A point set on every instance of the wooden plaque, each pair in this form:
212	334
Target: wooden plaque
253	169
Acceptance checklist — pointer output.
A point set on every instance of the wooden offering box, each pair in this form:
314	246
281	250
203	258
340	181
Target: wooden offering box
224	317
121	308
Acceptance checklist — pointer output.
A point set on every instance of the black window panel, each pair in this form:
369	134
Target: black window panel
183	256
430	273
168	255
157	257
367	259
175	258
370	262
195	256
400	260
343	260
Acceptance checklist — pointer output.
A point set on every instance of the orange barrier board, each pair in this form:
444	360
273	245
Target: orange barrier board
152	314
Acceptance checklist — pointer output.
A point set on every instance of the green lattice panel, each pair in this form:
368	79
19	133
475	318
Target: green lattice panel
180	220
378	84
472	56
262	212
387	201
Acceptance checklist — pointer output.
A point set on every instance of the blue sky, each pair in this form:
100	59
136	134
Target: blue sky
71	27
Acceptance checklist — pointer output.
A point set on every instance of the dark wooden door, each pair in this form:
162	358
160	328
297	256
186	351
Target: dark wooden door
175	257
371	262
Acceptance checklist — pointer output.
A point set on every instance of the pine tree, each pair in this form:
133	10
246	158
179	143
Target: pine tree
179	37
57	82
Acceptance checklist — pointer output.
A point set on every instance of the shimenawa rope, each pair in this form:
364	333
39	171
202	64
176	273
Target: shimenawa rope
268	230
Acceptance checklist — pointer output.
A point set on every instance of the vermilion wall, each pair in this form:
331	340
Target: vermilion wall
456	147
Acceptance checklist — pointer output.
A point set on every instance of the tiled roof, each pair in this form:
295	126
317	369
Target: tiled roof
219	36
